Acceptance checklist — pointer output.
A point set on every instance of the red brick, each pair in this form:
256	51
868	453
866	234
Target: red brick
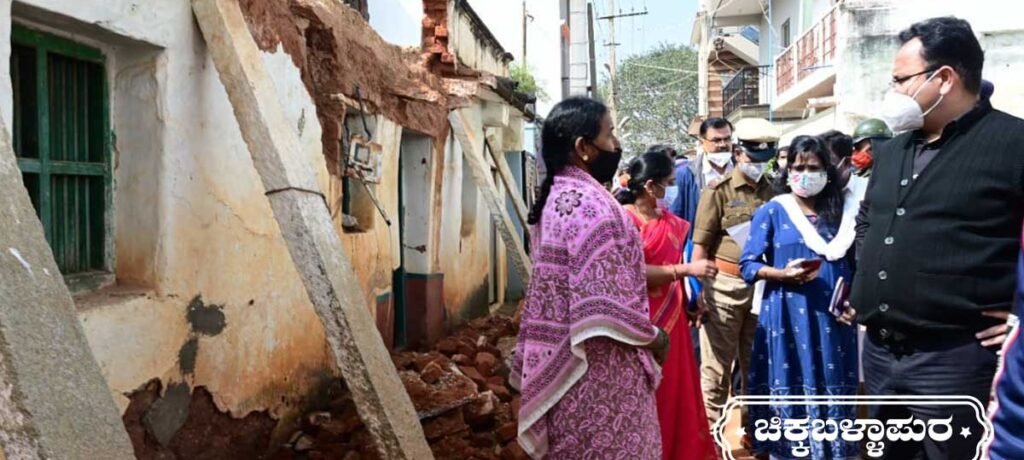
482	440
475	376
448	346
508	432
449	423
481	410
432	373
421	361
514	452
501	391
515	407
486	363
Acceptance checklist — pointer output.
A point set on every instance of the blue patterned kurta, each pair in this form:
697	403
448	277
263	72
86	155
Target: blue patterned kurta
799	347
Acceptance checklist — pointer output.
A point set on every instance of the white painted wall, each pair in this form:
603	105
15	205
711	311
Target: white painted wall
772	45
417	175
579	51
868	49
503	18
471	50
468	255
781	11
397	21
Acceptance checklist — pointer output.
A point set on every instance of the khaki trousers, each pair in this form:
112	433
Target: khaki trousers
727	333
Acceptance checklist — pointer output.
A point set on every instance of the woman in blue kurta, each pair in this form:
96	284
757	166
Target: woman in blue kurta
799	347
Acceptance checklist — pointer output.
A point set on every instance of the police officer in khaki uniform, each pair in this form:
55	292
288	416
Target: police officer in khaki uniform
728	325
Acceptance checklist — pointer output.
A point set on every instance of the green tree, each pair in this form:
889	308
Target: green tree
527	83
658	91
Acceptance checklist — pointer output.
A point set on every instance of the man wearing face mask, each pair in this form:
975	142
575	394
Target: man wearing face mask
865	136
945	204
712	164
727	334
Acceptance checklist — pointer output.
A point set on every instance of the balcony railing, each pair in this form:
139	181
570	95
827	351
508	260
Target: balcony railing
814	49
741	90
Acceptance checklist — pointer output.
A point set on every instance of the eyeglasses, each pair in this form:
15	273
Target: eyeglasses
897	81
719	140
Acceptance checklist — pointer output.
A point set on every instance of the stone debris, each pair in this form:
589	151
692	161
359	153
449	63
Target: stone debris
461	394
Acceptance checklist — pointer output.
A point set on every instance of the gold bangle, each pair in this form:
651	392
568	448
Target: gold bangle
675	274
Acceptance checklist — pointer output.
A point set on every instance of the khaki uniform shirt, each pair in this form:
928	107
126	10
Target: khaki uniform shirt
731	202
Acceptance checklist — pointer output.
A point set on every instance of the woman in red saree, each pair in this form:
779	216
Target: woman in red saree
684	426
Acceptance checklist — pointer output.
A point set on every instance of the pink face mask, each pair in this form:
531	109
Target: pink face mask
807	184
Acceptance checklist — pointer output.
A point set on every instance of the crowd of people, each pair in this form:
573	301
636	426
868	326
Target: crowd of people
879	263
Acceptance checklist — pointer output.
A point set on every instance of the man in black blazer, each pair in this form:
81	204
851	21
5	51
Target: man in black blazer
940	234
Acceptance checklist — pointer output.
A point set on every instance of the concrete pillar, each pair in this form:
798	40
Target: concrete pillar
467	125
305	223
54	401
511	186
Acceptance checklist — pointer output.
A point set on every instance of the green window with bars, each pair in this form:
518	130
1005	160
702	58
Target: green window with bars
62	143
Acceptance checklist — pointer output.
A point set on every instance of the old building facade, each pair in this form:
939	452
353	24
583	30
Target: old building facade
816	65
132	156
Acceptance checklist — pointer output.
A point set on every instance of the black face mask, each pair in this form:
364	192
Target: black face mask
604	166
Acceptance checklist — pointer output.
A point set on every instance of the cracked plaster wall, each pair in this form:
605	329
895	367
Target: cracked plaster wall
191	219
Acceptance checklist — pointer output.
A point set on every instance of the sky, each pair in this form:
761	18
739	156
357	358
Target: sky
667	21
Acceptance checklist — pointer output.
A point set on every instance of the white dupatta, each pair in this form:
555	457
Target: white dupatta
841	243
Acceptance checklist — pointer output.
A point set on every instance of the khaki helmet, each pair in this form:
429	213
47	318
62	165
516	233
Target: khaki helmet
872	128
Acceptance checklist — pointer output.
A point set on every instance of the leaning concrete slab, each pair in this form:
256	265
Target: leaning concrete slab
313	243
468	127
54	401
506	178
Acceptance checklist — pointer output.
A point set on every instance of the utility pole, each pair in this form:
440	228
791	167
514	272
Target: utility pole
524	35
612	62
593	53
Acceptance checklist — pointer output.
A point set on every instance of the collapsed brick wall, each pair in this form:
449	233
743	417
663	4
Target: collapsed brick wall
460	389
461	394
205	431
337	51
435	35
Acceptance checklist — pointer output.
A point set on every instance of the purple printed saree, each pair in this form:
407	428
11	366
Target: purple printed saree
587	390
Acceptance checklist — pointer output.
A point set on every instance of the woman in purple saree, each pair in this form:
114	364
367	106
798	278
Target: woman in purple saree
584	357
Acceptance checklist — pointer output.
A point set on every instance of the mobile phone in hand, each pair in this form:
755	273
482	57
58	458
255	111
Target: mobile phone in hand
811	265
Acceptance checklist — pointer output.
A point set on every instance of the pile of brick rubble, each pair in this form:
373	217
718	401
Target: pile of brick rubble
461	393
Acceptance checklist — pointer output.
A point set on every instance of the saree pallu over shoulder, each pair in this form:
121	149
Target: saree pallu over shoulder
588	282
663	241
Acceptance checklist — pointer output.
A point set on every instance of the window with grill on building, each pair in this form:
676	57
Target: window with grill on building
62	142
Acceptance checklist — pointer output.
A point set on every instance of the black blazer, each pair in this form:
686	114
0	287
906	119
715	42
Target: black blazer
939	250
